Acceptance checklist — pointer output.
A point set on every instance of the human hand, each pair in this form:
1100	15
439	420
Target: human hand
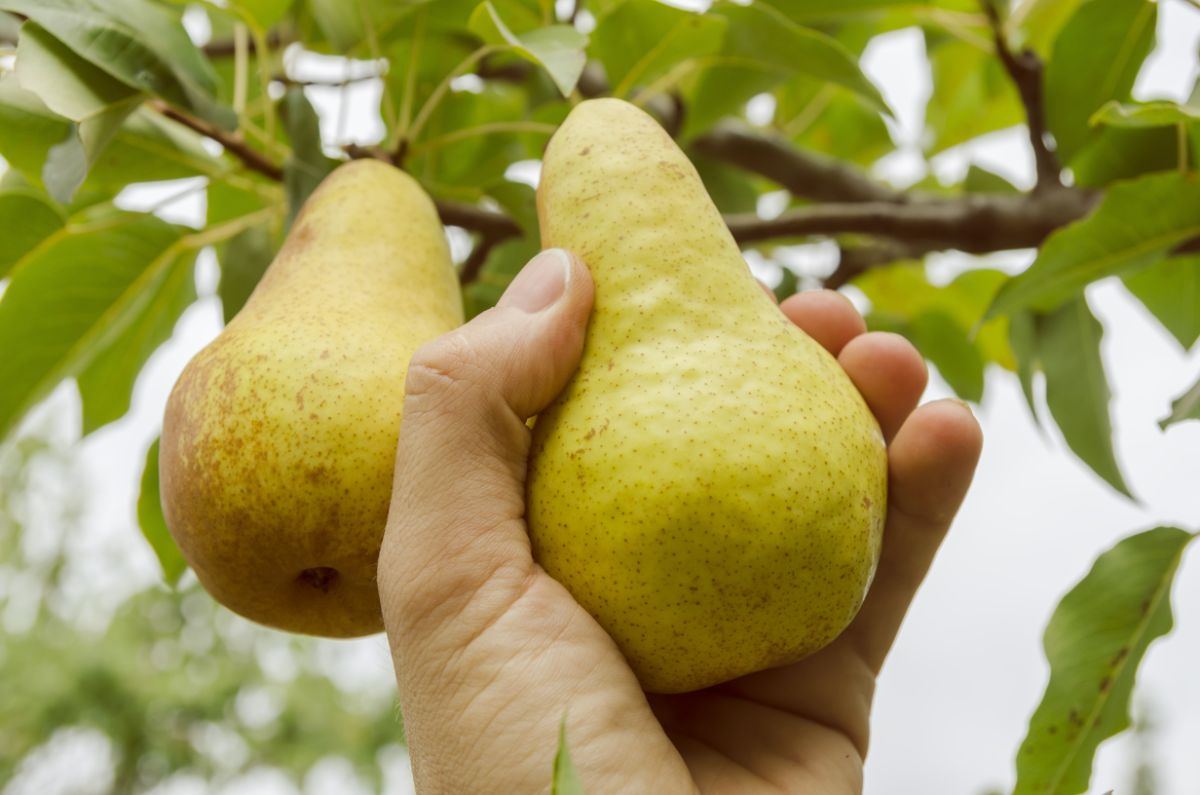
490	651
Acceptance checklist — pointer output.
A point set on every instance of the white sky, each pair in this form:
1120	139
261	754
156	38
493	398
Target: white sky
968	669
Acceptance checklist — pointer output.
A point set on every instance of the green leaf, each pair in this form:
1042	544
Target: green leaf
1118	237
244	259
340	21
1036	23
945	343
1096	58
1185	407
154	524
77	90
1068	343
980	180
1022	337
1116	153
972	95
138	42
308	165
642	40
424	60
1160	113
1094	643
827	118
474	162
1171	291
559	49
901	293
566	779
147	147
106	383
822	12
27	218
68	163
265	13
764	48
503	263
70	296
69	85
731	189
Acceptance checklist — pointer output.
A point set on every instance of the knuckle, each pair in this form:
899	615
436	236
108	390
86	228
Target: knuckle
442	369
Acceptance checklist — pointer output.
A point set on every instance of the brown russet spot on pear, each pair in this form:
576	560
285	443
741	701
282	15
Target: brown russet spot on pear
279	439
710	485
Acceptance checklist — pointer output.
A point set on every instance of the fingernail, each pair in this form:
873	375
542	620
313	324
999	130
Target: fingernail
540	283
964	404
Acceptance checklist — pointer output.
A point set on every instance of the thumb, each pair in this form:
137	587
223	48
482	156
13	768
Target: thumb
456	518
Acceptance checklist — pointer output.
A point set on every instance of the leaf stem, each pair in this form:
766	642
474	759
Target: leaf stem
240	58
224	231
435	98
1181	138
401	123
484	129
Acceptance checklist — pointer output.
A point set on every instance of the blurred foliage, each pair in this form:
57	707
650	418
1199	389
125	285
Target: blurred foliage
97	96
177	685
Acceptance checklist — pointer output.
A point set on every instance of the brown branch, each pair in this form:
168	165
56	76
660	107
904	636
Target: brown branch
473	264
226	48
494	226
801	173
975	223
232	141
1025	70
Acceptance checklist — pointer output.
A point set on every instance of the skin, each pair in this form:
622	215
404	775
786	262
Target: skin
279	437
491	652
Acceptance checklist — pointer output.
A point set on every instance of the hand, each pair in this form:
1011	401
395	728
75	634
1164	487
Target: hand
490	651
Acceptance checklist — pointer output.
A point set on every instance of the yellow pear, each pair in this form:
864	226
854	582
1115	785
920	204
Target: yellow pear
279	439
710	485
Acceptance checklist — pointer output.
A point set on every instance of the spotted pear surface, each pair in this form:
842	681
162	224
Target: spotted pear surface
710	485
279	439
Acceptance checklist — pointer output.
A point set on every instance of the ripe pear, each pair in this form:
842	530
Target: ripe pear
279	439
710	485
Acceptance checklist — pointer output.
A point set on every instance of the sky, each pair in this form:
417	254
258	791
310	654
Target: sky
968	669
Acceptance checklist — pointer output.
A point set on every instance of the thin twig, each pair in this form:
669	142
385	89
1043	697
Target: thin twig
489	223
227	48
1025	70
473	264
233	142
532	127
342	83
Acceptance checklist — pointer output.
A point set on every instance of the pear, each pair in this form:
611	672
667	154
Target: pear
710	485
279	439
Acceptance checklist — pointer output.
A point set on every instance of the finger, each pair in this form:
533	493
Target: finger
825	315
890	375
931	463
458	495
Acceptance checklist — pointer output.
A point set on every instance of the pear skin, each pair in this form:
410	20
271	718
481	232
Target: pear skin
710	485
279	439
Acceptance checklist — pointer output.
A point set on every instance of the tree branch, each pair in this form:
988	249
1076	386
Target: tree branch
233	142
801	173
494	226
1025	70
225	48
975	223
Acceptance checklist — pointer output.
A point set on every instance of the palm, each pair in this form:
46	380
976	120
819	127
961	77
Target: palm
504	633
